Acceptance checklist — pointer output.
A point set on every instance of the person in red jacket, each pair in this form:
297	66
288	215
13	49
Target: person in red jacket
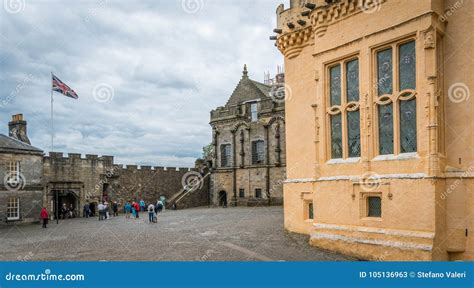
137	209
44	215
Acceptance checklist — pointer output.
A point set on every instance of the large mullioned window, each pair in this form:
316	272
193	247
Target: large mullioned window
396	98
344	114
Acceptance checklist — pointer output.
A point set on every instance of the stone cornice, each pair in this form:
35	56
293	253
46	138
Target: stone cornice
291	44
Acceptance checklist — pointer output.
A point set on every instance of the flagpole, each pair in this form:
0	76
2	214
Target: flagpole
52	123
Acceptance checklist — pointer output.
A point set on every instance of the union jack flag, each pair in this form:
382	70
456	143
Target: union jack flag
62	88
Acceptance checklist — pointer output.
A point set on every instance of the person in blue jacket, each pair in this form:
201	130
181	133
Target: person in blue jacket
142	205
128	209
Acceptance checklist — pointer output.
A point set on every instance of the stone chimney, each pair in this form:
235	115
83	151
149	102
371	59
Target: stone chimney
17	128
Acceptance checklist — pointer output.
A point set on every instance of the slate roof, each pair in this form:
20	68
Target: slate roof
248	90
8	144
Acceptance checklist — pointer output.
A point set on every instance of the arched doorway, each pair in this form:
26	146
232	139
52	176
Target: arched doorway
223	199
66	202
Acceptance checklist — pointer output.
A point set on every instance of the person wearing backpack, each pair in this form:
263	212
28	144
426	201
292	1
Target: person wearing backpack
151	213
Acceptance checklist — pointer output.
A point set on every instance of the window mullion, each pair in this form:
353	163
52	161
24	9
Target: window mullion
396	103
345	142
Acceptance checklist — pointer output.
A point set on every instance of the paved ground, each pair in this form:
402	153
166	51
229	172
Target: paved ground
245	234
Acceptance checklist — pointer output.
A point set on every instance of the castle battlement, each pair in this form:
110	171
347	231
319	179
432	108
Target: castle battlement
151	168
58	158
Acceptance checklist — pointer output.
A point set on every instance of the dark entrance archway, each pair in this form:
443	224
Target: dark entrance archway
223	199
67	199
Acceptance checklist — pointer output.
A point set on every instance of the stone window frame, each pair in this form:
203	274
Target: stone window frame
14	170
13	205
241	193
344	108
255	160
254	114
396	96
308	210
261	193
226	160
364	205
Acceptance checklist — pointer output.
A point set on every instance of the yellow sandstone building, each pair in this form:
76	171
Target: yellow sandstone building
379	124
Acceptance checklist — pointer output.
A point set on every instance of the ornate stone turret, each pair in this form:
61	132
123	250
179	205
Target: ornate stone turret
299	25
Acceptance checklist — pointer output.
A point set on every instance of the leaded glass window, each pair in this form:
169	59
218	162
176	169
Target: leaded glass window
384	72
407	66
386	129
374	208
352	80
336	136
335	85
408	126
353	133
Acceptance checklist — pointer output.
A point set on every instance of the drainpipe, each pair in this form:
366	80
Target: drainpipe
267	162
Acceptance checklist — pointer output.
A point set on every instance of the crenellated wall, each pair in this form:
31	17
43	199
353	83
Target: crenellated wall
96	178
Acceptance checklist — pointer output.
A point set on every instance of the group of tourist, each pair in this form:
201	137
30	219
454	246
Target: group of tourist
104	210
131	210
134	208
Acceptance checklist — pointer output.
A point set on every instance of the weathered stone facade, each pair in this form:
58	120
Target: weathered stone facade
251	120
21	169
381	204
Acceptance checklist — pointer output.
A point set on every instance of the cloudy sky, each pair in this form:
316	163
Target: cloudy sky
147	72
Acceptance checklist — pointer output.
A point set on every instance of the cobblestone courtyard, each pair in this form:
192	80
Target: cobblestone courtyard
235	234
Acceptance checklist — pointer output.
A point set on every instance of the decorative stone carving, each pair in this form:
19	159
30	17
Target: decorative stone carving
429	39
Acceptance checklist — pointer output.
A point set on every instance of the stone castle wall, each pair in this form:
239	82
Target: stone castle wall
94	177
132	183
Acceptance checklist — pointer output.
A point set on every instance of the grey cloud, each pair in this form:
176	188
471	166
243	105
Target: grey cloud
167	68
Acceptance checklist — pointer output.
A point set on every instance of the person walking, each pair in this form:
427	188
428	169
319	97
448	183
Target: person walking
106	210
44	216
128	209
134	211
142	205
151	213
115	208
137	210
159	205
101	208
87	210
